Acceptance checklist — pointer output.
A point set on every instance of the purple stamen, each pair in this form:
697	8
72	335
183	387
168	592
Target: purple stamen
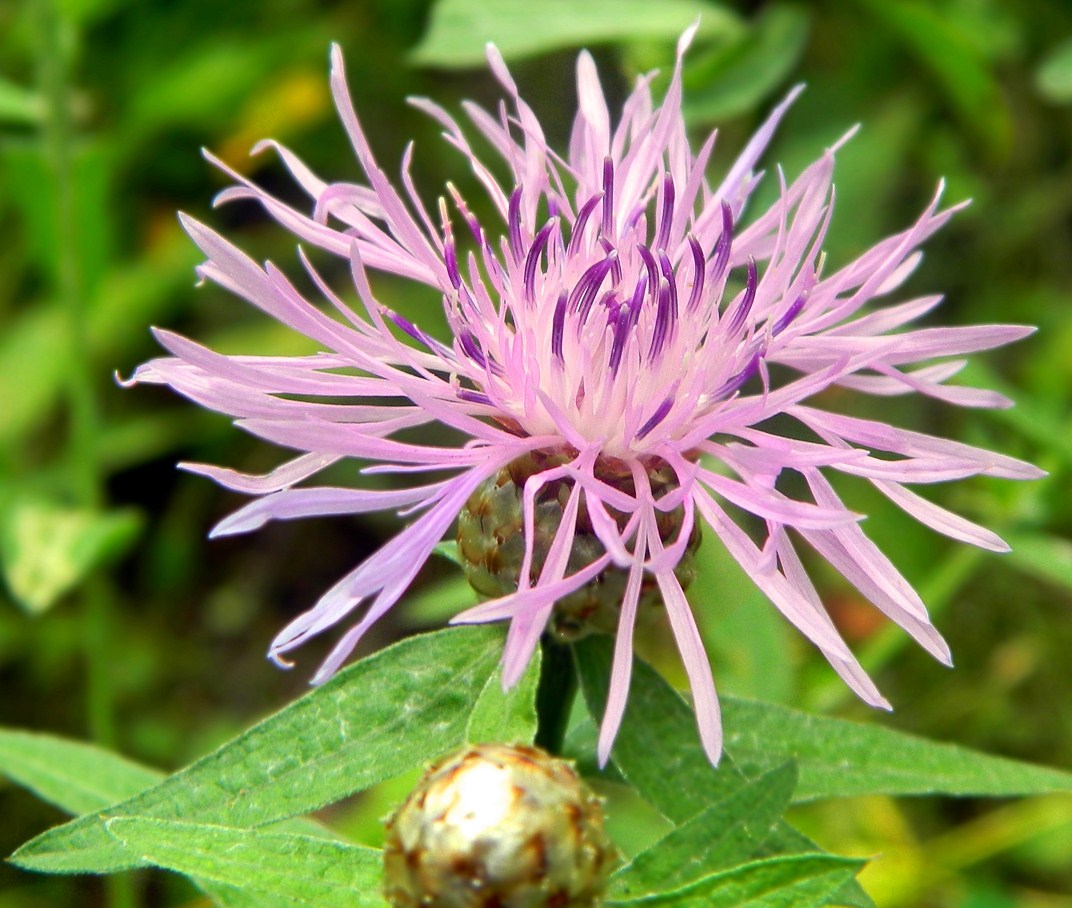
533	259
740	313
668	273
471	348
632	313
588	286
791	313
657	417
638	293
722	246
582	220
698	266
450	257
608	197
405	324
664	320
667	216
513	219
450	249
416	333
649	264
735	382
622	325
558	326
473	397
616	267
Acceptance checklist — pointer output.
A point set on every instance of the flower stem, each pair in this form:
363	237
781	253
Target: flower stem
554	696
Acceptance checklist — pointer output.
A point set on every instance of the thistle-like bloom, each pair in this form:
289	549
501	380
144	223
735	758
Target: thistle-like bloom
621	321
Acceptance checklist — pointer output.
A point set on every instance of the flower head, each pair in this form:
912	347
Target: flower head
623	321
498	826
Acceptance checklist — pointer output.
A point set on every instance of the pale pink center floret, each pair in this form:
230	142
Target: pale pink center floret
621	311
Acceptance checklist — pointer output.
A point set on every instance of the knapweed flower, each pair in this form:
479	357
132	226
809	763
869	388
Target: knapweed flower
623	335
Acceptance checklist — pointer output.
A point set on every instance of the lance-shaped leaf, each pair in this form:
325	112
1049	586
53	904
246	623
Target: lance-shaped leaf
722	836
74	776
506	717
377	718
657	750
77	777
798	881
293	869
838	758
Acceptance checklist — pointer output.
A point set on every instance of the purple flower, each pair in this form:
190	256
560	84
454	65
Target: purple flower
624	314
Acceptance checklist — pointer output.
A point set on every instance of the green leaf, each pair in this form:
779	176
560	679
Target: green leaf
48	549
392	711
74	776
837	758
800	881
726	834
298	869
459	29
734	79
659	731
507	717
78	777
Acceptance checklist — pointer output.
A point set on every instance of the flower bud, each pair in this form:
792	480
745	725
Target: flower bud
497	826
491	541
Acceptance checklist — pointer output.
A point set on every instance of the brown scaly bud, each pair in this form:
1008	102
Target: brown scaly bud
491	541
497	826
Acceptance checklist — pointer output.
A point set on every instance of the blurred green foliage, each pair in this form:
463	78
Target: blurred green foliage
119	622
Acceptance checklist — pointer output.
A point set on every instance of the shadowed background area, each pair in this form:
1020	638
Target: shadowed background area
121	623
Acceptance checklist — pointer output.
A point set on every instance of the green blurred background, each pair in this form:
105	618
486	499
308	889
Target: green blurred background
119	622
